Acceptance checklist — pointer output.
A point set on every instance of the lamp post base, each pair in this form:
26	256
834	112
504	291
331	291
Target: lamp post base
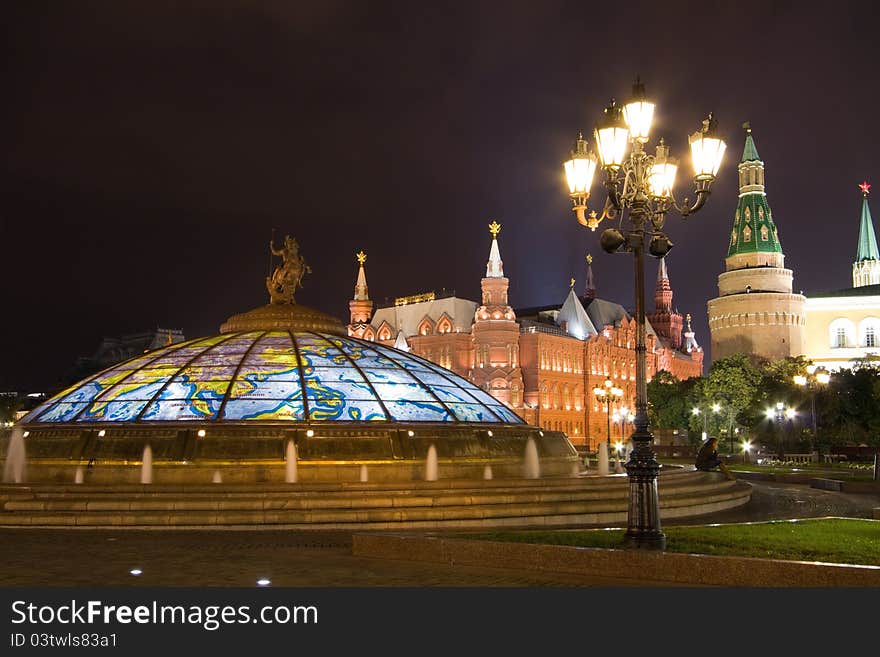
643	526
645	541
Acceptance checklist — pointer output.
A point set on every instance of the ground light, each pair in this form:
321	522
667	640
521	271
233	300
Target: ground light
263	582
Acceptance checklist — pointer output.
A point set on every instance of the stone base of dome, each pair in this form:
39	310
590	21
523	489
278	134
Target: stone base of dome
283	317
332	454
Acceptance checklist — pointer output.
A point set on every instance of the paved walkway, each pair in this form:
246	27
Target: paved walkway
33	557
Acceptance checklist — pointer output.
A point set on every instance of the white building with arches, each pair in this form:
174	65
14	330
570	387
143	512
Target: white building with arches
844	325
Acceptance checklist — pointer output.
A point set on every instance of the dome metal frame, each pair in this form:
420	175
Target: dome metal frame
382	369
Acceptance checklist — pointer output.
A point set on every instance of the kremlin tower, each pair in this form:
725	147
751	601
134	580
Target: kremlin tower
755	312
666	322
866	268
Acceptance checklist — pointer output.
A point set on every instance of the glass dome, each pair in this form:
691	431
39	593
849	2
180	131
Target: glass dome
261	376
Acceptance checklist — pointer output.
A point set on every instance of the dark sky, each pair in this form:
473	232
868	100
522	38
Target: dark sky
149	148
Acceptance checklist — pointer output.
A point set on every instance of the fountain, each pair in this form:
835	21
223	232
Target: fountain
364	475
487	472
603	459
79	476
14	468
290	472
147	466
431	464
586	463
618	468
531	465
217	478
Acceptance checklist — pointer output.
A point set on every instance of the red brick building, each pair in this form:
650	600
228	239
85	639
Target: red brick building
542	362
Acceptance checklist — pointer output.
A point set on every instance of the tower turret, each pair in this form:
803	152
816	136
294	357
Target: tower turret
866	268
755	311
590	286
495	332
360	307
666	322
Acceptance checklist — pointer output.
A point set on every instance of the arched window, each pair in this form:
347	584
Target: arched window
747	234
765	233
545	396
515	395
842	333
566	397
869	332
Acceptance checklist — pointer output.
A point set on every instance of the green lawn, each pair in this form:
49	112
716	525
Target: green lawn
832	540
826	470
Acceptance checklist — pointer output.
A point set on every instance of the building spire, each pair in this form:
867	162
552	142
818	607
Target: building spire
690	341
866	268
750	152
494	268
360	307
360	288
867	239
590	288
754	236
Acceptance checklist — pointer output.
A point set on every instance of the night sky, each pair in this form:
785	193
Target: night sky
150	148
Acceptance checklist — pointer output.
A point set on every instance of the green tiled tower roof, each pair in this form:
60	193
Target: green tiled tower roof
753	227
750	153
867	240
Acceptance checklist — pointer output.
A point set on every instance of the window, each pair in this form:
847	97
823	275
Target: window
840	338
842	333
747	233
869	329
765	233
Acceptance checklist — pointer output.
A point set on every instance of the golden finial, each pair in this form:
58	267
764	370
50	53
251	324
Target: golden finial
593	221
494	228
571	283
589	259
361	257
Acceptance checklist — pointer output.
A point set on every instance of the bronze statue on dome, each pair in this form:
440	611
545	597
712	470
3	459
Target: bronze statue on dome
287	276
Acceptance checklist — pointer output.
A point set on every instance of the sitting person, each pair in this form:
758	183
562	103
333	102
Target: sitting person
708	459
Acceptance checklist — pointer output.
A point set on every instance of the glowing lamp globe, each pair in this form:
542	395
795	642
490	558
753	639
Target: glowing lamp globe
580	169
612	137
639	114
707	150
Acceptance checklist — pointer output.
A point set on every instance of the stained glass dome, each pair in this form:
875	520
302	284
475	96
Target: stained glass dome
274	376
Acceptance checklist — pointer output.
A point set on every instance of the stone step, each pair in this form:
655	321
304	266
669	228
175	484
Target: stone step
522	514
268	489
178	501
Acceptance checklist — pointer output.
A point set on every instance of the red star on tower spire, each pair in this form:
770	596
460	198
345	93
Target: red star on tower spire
865	187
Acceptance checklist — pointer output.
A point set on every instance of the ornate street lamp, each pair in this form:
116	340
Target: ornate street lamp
639	186
607	395
816	378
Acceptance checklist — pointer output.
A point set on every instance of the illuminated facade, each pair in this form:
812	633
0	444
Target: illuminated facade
543	362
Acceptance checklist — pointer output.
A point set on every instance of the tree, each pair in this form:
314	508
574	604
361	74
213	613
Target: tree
667	407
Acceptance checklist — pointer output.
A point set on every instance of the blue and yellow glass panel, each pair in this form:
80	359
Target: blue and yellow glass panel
259	376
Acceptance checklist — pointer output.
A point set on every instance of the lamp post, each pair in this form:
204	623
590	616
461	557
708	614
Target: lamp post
816	378
607	394
639	186
780	413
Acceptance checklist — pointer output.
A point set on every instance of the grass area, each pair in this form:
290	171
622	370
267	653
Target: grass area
849	541
828	470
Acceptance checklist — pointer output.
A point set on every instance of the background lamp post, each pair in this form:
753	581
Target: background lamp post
638	186
815	379
607	394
